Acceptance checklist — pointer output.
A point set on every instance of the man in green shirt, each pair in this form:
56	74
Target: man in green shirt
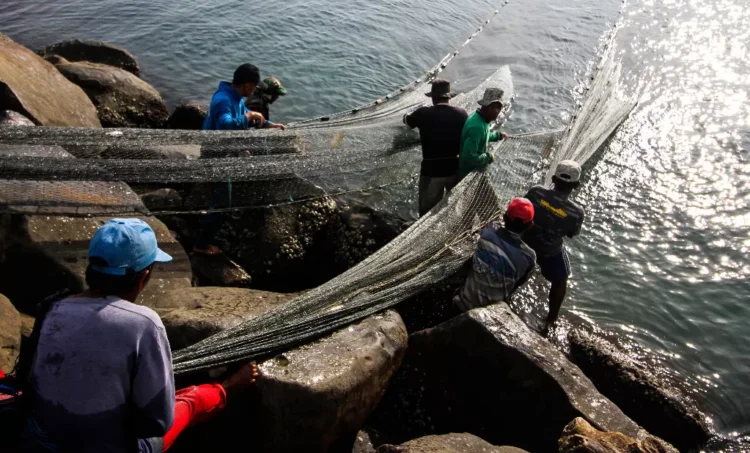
476	133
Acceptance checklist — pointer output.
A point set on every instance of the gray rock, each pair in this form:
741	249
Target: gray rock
189	116
162	199
56	247
34	88
11	118
363	443
121	99
94	52
448	443
219	270
654	402
309	398
487	373
192	314
11	328
580	437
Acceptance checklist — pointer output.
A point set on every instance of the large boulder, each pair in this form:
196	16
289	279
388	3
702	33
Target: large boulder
448	443
11	118
648	398
312	398
34	88
41	239
121	99
192	314
580	437
11	328
485	372
94	52
188	115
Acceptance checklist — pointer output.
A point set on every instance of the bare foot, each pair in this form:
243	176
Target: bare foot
211	250
242	378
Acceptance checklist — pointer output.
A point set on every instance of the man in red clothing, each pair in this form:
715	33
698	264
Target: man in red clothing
100	378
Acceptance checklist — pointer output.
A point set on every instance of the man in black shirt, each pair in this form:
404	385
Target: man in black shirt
440	127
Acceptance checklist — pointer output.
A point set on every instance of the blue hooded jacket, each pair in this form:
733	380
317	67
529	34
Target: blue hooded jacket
227	111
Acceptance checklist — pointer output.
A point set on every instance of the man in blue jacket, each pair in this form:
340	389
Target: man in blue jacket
228	112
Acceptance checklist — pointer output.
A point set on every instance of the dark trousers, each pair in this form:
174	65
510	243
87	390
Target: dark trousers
432	189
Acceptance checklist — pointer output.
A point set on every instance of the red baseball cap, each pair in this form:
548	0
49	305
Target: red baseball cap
520	208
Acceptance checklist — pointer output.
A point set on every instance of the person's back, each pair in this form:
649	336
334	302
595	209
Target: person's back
502	262
440	128
102	375
557	216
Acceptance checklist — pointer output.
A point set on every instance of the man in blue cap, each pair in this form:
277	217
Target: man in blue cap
101	375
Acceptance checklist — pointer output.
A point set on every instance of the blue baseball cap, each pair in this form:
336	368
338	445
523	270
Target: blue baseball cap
125	244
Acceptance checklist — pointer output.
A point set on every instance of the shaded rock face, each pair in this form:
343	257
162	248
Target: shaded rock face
485	372
188	115
580	437
121	99
310	398
656	404
11	327
448	443
94	52
34	88
44	255
218	270
162	199
193	314
11	118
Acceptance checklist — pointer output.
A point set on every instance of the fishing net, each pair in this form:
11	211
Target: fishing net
431	250
364	150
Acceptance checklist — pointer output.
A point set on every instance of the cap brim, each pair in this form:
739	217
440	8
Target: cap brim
281	91
484	103
443	96
162	257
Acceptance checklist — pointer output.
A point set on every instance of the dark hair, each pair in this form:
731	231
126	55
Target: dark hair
515	225
246	73
564	186
111	284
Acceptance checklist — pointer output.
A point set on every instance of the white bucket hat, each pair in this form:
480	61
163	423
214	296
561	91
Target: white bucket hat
492	95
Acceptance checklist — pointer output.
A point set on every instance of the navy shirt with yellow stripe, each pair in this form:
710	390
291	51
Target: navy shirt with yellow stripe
555	216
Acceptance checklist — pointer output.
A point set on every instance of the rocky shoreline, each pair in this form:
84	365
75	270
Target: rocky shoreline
414	379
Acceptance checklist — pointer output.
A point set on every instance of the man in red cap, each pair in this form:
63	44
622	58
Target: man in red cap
502	261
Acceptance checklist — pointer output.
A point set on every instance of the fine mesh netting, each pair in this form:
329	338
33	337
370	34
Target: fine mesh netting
365	150
362	150
434	248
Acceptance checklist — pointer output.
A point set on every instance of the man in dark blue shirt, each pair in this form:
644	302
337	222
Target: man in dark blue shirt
556	216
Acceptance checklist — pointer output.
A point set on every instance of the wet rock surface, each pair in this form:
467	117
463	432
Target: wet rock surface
312	397
94	52
11	328
448	443
11	118
655	403
44	255
121	99
188	115
219	270
193	314
580	437
162	199
487	373
25	81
